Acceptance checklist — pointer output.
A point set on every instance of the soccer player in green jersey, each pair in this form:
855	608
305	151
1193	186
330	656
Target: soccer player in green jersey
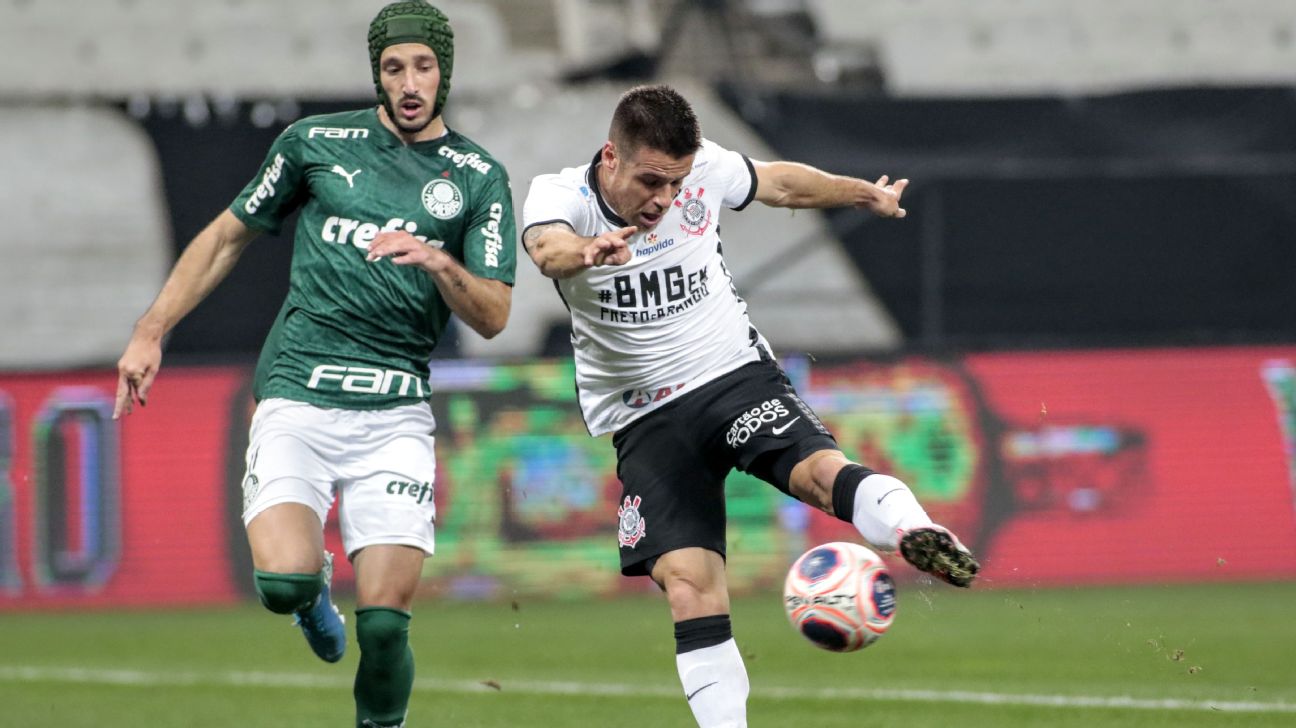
402	222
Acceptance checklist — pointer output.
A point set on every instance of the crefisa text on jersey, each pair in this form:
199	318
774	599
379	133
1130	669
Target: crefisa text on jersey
471	160
343	230
266	189
490	231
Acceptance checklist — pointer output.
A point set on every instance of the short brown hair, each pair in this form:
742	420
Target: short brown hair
658	117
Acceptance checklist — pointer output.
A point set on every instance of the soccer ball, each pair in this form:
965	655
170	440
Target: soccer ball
840	596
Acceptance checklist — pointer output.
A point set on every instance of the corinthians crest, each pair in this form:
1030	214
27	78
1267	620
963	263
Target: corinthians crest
697	218
630	525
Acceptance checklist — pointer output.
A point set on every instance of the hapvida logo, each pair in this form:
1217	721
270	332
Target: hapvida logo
654	245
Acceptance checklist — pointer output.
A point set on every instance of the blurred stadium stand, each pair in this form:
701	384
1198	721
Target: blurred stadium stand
86	237
1008	47
1039	198
289	48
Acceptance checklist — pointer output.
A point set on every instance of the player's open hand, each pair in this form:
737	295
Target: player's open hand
610	248
402	248
136	370
887	202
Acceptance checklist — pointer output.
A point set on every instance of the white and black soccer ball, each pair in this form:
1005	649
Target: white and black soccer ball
840	596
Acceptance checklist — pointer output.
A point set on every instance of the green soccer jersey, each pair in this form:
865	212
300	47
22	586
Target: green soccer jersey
355	334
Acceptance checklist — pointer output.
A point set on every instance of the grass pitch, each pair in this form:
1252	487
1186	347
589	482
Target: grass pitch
1211	655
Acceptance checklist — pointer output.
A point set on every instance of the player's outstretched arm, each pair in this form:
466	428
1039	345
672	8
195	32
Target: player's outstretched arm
561	253
482	303
204	263
791	184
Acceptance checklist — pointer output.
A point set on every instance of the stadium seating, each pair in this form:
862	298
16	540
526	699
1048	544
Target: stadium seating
86	235
203	53
112	48
997	47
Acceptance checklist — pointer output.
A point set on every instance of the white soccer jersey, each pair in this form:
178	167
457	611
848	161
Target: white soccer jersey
670	319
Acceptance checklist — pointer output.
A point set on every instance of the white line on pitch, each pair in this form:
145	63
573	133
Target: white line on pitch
141	678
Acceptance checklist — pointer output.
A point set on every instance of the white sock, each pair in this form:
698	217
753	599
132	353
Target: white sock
884	504
715	683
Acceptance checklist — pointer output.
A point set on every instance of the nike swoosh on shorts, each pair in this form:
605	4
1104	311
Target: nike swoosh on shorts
781	430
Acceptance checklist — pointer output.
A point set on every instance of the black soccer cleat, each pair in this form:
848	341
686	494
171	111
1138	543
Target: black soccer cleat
936	551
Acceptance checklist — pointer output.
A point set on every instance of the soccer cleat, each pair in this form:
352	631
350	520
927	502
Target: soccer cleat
936	551
322	623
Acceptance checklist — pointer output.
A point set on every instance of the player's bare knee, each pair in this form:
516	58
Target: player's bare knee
812	479
386	599
688	600
691	592
289	563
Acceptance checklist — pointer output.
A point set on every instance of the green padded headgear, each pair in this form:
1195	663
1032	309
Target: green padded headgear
413	21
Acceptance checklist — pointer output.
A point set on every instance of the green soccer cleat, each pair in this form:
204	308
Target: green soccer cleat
935	550
322	623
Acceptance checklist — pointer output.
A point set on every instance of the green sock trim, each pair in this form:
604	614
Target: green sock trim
287	593
393	610
385	676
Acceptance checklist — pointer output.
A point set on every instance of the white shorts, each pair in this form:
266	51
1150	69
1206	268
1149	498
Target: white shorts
381	462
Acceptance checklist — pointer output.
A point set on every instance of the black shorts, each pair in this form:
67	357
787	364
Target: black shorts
673	462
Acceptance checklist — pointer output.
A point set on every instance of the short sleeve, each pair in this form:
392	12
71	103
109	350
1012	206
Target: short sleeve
734	172
490	243
277	190
554	199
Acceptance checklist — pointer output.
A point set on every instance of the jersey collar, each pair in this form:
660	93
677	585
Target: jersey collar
392	139
591	178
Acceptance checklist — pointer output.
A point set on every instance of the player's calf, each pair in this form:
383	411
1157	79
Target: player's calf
385	676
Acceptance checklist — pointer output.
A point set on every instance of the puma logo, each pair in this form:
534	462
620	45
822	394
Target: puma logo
349	176
783	428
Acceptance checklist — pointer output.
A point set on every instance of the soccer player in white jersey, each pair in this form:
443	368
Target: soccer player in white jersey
667	360
402	222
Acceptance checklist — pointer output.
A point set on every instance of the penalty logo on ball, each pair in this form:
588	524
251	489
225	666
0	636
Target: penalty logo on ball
840	596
